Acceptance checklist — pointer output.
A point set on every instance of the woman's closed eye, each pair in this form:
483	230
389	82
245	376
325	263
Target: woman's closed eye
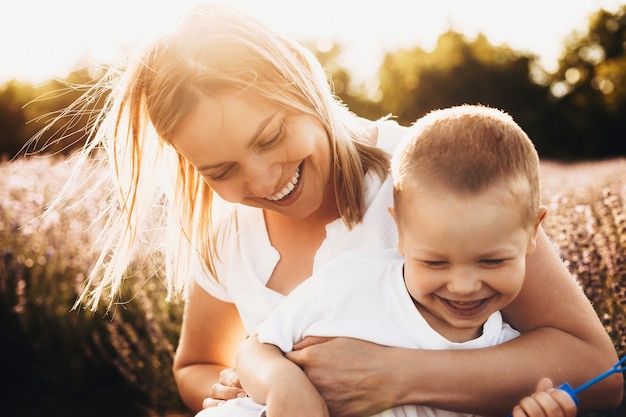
220	175
273	140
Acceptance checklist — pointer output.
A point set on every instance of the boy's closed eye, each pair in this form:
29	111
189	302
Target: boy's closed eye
491	263
435	264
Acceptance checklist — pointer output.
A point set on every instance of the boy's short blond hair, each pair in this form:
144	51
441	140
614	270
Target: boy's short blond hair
466	149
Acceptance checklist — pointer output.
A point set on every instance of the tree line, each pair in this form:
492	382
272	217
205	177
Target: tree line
577	112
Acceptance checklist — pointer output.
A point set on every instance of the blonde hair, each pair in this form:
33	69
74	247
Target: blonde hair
215	49
466	149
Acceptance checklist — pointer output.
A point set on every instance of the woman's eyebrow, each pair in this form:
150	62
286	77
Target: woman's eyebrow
260	128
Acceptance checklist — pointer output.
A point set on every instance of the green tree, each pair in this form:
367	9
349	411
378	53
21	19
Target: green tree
55	124
590	88
459	71
13	96
36	119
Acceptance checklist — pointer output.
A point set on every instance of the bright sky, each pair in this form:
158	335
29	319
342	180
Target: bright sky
40	39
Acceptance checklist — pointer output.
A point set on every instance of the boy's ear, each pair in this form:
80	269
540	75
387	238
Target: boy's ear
541	215
393	213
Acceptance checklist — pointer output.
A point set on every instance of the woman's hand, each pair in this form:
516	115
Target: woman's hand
347	373
227	388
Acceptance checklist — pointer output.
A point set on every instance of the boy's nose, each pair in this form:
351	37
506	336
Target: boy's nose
464	282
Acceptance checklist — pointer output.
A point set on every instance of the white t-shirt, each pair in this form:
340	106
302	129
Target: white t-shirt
248	257
362	294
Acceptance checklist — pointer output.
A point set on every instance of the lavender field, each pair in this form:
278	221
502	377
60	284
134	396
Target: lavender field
65	362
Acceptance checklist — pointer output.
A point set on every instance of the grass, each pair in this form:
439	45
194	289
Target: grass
69	363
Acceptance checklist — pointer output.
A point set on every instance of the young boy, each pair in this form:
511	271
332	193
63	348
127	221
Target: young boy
467	208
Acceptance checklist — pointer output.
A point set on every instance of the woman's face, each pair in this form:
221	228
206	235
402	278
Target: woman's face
252	152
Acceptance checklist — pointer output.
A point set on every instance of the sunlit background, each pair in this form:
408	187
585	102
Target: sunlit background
40	39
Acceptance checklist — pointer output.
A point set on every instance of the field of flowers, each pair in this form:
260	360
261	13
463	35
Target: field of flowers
62	362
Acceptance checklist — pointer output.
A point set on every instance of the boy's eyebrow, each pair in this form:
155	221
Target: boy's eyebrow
260	128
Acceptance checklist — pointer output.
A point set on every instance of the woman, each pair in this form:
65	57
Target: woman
244	115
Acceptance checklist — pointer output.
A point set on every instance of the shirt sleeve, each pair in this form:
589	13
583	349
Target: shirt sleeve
288	323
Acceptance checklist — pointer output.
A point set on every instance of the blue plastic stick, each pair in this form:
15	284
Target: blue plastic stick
617	368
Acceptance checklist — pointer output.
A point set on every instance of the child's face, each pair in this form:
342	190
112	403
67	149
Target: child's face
464	255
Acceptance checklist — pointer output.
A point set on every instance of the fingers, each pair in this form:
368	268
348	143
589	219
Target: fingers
544	384
227	388
541	404
211	402
566	402
229	378
301	353
220	393
549	403
310	341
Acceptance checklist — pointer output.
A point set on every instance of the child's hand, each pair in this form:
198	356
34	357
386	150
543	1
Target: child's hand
546	402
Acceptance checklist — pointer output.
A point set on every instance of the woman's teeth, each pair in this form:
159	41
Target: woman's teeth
288	188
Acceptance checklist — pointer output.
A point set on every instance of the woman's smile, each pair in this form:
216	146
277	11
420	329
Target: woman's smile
289	188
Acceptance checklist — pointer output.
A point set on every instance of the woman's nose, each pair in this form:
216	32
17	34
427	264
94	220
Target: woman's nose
262	181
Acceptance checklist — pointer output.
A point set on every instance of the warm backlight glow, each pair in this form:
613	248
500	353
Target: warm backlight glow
43	39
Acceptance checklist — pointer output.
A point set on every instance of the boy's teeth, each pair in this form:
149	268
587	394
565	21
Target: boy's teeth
288	189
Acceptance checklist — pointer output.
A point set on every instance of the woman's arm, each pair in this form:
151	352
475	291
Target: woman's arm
562	339
551	300
277	382
211	333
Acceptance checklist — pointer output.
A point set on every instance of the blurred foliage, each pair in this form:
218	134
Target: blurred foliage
36	119
61	362
590	86
458	71
578	112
